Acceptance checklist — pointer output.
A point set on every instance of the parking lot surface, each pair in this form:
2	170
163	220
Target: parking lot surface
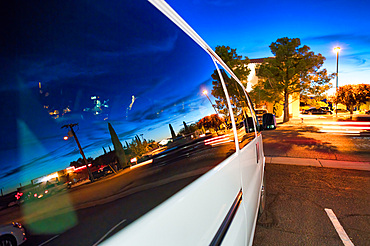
297	197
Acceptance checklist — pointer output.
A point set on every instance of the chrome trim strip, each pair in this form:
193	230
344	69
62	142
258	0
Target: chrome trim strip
217	240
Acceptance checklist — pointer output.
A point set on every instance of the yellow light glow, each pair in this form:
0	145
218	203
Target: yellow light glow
336	49
51	176
65	137
142	164
205	92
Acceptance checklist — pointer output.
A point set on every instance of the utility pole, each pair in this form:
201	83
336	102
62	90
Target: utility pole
337	49
70	126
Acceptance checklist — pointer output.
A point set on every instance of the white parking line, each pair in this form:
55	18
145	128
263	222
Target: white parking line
106	234
338	227
51	239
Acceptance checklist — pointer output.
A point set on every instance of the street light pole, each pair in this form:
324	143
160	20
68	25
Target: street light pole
337	49
91	177
205	92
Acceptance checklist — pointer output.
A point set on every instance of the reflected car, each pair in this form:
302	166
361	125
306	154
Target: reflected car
12	234
125	75
54	188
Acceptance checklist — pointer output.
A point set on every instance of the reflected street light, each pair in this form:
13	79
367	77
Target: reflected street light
72	133
205	92
336	50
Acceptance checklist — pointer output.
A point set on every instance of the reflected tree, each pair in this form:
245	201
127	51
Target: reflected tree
210	122
236	93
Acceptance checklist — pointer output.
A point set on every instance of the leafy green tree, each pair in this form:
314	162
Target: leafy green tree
152	144
236	93
189	129
240	68
210	122
294	69
353	95
260	93
314	101
138	147
234	61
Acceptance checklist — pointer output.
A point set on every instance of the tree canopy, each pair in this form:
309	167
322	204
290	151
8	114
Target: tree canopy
241	70
234	62
353	95
212	121
293	69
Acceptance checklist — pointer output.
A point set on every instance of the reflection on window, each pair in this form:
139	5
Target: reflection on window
128	100
241	110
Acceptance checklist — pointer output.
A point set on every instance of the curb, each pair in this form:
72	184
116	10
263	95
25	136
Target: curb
363	166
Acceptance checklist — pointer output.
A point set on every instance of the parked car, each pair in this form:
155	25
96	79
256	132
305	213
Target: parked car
148	68
327	109
259	114
341	110
314	110
12	234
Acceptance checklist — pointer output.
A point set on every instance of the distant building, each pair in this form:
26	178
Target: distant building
253	80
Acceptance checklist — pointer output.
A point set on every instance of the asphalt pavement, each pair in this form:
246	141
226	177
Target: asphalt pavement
303	142
314	166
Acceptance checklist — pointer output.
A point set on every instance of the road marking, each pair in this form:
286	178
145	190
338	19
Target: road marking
51	239
338	227
106	234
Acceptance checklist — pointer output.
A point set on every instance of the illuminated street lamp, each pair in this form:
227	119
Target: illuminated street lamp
205	92
336	50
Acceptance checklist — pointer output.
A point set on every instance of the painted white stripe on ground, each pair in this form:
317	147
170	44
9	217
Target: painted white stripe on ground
51	239
106	234
338	227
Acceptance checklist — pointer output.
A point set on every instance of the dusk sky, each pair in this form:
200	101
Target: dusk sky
58	56
251	26
90	63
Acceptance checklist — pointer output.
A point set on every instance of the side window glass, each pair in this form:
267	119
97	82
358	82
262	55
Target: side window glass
114	91
258	123
242	113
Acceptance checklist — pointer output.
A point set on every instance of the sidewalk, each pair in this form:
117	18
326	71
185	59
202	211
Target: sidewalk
363	166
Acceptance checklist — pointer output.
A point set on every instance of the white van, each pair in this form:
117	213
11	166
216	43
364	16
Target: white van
149	71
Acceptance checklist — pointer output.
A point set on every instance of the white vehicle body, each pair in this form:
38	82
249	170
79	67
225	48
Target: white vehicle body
132	77
199	214
12	233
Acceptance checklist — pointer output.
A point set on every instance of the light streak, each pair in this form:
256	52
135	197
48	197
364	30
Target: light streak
346	123
217	140
348	127
142	164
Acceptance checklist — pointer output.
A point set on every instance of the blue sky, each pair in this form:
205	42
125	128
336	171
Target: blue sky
251	26
56	56
59	57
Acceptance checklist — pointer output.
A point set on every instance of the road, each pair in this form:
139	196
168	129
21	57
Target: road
87	214
306	140
297	197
